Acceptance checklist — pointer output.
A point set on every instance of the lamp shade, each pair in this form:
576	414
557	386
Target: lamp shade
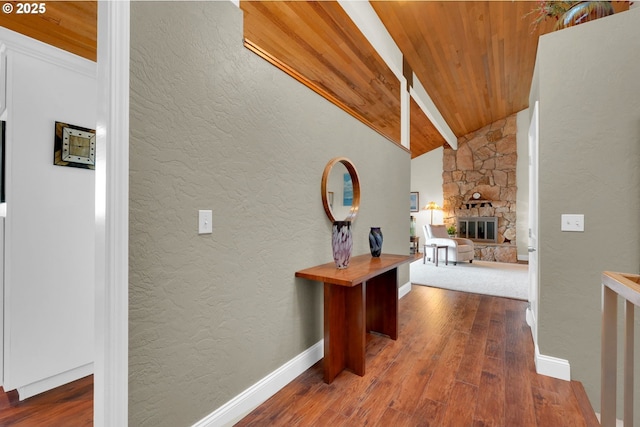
432	206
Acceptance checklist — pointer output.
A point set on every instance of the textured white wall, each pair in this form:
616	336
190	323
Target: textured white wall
426	178
214	126
589	93
49	246
522	179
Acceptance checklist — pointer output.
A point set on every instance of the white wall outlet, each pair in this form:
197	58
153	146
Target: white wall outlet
572	222
205	222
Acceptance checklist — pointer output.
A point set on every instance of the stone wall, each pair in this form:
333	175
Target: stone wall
485	162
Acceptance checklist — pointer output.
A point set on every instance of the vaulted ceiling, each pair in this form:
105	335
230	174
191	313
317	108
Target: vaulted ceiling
474	58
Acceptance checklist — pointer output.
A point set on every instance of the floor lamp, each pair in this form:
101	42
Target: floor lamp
431	206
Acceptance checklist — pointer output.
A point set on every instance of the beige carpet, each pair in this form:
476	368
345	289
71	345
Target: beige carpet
481	277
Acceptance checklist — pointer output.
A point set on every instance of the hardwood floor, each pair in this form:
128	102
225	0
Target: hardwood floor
70	405
461	360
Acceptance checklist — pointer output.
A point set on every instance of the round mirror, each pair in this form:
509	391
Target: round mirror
340	190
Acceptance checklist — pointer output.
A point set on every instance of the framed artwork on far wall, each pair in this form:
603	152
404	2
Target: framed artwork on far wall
414	201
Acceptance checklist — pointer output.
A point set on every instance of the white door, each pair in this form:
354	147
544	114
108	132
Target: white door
534	292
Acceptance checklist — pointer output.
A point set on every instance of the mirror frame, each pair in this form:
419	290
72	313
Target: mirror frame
355	179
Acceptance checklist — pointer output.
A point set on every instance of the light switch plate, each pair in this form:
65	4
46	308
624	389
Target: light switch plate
205	222
572	222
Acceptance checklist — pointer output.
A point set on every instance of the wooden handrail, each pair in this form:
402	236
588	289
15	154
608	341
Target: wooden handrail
626	286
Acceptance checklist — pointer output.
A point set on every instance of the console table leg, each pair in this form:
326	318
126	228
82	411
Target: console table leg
382	304
344	330
355	326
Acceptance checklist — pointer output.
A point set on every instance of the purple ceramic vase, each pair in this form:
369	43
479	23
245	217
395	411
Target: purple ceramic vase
342	243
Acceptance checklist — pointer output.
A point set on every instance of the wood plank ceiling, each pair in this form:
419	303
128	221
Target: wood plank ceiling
474	58
68	25
316	43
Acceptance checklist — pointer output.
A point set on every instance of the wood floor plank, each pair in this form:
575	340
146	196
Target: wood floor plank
518	333
490	409
410	391
518	393
551	409
470	370
307	409
275	409
497	335
461	415
441	384
374	403
585	406
429	413
332	418
393	417
564	403
465	319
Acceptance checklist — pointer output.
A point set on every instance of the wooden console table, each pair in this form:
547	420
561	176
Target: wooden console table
357	299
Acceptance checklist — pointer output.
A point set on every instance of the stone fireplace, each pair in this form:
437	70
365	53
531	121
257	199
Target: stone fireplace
479	183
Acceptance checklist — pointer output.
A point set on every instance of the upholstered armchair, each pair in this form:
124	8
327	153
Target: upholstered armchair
459	249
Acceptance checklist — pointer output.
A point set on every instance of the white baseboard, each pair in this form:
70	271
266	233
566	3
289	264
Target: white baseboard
530	320
552	366
547	365
404	289
235	409
41	386
522	257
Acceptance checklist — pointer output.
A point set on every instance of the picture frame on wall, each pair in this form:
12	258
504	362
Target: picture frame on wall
414	201
74	146
347	192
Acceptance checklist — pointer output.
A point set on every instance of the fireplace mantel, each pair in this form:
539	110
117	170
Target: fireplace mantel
477	204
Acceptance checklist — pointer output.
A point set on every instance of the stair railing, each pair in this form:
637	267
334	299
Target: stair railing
626	286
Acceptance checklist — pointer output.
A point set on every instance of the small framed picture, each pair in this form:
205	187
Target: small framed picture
347	194
414	201
74	146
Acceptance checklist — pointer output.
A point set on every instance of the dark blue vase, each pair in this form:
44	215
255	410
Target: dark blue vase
375	241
